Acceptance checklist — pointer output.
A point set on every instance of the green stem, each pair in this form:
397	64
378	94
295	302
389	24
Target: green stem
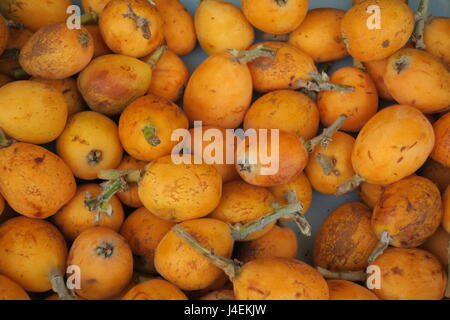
382	245
230	267
59	286
156	56
19	74
245	56
325	138
241	232
350	184
421	17
12	53
4	141
88	18
320	82
149	132
100	204
129	175
343	275
328	165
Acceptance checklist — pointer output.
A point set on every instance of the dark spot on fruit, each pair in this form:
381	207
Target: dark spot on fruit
386	43
39	159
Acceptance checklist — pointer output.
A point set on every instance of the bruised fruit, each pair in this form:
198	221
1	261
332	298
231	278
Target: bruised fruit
57	52
90	143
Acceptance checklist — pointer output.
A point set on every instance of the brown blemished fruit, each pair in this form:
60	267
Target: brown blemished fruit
435	37
410	274
436	172
370	193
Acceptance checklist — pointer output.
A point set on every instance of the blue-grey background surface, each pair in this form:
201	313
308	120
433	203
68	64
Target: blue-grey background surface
322	204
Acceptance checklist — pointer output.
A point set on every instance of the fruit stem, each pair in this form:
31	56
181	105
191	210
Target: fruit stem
447	291
4	141
241	232
421	17
94	157
320	82
299	216
382	244
343	275
230	267
358	64
156	56
88	18
326	137
350	184
245	56
19	74
129	175
100	204
12	53
327	164
59	286
275	37
149	132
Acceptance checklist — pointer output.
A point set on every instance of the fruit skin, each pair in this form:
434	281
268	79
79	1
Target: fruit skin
16	40
68	87
280	241
370	194
100	47
376	70
34	181
441	151
392	145
410	210
437	245
359	105
29	250
94	5
339	151
179	29
345	239
39	115
130	197
163	115
169	77
169	197
57	52
74	217
302	187
446	205
33	14
220	26
289	110
279	279
435	39
2	204
227	171
319	35
144	231
276	17
242	203
367	44
182	265
121	33
419	79
154	289
89	132
281	72
346	290
224	294
105	261
287	159
436	172
110	82
219	92
10	290
4	34
410	274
